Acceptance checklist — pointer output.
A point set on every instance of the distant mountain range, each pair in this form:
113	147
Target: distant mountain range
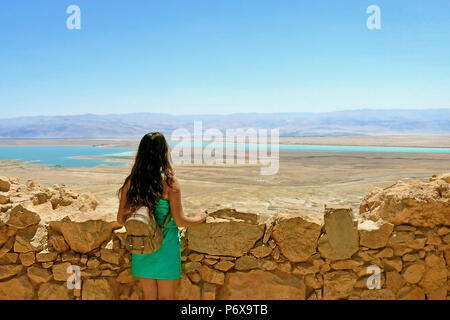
351	122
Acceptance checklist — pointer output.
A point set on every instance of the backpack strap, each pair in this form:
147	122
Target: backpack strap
166	220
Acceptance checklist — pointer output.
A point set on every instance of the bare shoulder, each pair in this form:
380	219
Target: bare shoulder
175	186
126	186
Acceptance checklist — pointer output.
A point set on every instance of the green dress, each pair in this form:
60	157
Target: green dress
164	263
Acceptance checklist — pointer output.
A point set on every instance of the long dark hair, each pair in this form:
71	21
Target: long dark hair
150	171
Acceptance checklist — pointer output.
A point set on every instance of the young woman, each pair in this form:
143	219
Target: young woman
152	183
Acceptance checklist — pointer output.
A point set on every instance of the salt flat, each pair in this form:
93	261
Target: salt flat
306	180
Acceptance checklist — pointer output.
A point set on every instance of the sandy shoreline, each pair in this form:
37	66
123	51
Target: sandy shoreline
417	141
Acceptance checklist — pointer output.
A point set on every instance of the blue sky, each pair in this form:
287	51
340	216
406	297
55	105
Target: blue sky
222	56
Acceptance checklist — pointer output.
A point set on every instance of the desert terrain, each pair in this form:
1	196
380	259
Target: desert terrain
306	180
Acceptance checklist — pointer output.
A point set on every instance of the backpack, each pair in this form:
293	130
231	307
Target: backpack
143	235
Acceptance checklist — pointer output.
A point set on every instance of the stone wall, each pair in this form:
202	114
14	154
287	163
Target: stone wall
400	237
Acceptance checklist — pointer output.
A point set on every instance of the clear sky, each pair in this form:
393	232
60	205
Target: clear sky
222	56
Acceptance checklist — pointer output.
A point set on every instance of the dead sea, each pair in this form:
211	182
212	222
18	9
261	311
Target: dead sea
306	180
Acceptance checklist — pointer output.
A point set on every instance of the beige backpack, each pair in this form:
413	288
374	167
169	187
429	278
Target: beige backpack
144	235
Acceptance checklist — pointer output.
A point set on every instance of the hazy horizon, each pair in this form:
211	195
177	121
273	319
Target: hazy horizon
224	114
337	123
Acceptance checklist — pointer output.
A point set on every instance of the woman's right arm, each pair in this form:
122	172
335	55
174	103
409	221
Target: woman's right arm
176	208
123	211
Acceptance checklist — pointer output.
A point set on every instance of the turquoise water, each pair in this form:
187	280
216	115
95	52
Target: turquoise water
324	148
63	155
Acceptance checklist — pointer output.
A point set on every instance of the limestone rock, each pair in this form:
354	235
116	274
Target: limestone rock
14	180
374	235
296	235
341	239
305	268
394	281
47	265
58	243
411	293
3	233
39	275
338	284
269	265
195	277
71	257
393	264
262	285
246	263
90	273
434	281
97	289
196	257
418	203
276	255
226	232
377	294
6	246
346	264
27	259
54	291
33	238
190	266
209	291
19	217
110	256
5	185
401	237
444	176
9	270
125	276
4	199
121	234
414	272
186	290
46	256
209	262
18	288
9	258
40	198
314	281
93	263
401	249
261	251
60	200
60	271
285	267
87	202
84	236
269	229
210	275
224	265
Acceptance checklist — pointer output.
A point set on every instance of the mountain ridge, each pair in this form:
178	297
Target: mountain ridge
336	123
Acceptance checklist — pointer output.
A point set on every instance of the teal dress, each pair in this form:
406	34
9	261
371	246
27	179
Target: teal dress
164	263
